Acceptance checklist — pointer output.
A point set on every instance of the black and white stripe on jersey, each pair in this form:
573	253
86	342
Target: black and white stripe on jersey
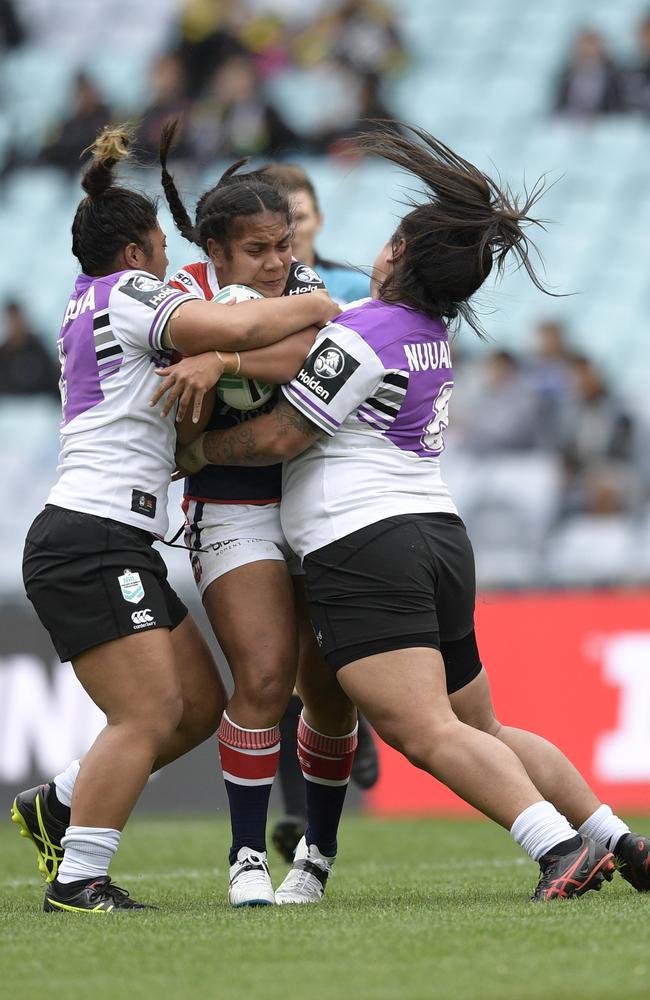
382	408
109	353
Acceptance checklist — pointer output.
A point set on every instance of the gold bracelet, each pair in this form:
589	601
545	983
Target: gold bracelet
236	371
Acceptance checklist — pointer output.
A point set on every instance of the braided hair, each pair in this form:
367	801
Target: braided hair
220	209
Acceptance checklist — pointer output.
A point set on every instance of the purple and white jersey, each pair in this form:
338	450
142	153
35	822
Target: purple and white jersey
378	383
117	452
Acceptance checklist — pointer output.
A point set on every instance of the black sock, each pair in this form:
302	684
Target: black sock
56	807
572	844
292	783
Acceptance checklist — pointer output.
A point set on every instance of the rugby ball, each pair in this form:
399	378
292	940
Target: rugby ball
241	393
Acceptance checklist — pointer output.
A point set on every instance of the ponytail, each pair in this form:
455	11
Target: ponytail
467	225
109	217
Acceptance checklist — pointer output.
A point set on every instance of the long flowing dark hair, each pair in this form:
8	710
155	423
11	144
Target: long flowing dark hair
109	217
219	210
468	225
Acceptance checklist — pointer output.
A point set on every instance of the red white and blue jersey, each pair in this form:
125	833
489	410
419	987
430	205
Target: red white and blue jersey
237	484
117	452
377	382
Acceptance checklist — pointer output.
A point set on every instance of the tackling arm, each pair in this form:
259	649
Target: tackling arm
270	438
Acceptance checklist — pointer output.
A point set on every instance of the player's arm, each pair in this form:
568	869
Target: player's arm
190	378
197	326
271	438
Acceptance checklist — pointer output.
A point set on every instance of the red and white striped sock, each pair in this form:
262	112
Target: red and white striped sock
249	760
326	763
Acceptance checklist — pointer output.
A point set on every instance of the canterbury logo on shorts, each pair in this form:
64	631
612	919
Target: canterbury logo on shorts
143	618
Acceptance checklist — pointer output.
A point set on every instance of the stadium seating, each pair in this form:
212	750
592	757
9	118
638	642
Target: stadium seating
481	76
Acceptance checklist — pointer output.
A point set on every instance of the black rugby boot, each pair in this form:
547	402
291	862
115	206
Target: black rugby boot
95	895
568	875
30	812
632	854
365	766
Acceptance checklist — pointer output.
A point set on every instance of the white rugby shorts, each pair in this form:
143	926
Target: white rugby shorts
233	535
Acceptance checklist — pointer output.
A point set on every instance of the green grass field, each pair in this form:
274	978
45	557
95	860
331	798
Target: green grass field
417	909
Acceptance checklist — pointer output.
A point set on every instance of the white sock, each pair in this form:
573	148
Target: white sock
539	828
64	783
88	851
604	827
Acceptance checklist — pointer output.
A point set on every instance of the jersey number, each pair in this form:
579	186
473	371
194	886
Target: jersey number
432	436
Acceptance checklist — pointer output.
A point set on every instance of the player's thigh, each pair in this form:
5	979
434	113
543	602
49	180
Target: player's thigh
134	678
473	704
251	610
402	693
317	683
203	693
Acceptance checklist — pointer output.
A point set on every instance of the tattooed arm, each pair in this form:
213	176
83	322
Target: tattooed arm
268	439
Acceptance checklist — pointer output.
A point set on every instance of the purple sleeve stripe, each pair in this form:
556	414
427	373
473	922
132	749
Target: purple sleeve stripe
381	421
320	417
162	315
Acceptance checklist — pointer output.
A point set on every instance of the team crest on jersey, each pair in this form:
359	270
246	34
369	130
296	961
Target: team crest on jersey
326	372
131	586
149	291
329	362
307	274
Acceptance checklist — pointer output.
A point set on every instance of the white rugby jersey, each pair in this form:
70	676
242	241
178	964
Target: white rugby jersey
117	452
378	383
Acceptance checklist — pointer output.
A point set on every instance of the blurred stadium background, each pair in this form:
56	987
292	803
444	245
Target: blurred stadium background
549	452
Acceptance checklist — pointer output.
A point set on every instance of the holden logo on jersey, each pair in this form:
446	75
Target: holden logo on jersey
307	274
331	364
328	363
149	291
131	586
143	618
144	284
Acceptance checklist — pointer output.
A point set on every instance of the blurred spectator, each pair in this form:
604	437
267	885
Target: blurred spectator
637	77
370	109
590	83
12	33
597	427
233	119
344	283
550	372
169	100
209	32
503	412
363	34
26	368
76	133
366	37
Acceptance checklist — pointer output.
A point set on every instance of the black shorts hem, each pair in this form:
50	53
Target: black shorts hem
347	654
67	654
459	683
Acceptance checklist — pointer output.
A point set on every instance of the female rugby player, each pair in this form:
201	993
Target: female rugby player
89	567
389	567
242	563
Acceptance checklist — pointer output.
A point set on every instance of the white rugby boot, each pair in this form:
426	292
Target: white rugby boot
250	880
306	879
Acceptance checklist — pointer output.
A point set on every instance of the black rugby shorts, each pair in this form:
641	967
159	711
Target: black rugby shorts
92	579
402	582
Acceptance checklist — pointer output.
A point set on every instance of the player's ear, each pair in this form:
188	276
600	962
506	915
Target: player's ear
397	248
134	257
215	252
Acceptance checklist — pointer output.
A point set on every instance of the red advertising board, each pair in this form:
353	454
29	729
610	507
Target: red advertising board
573	667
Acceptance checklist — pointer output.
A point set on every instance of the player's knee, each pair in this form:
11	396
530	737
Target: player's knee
485	721
268	690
